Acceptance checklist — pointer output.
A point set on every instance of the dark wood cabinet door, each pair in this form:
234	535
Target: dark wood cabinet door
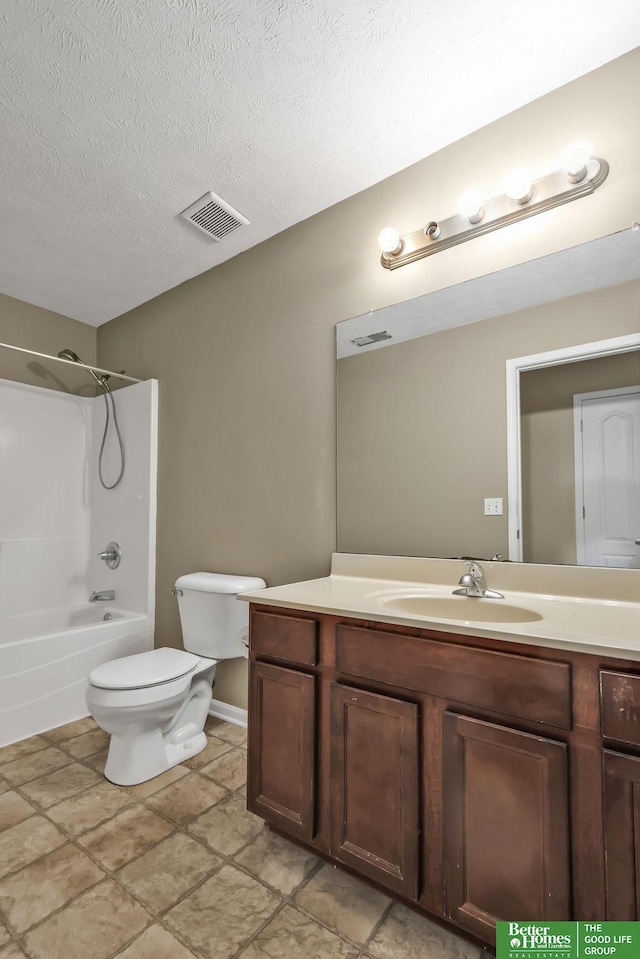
282	748
374	777
622	834
506	828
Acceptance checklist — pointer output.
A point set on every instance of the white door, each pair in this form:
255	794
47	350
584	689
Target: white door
608	478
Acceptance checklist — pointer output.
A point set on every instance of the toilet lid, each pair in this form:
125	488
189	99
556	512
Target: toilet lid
144	669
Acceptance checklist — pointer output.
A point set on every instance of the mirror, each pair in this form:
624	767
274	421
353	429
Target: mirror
425	432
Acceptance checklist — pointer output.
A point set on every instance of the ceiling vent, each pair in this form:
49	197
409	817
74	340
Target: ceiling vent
214	217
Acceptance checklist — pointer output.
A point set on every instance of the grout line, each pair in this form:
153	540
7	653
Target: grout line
33	862
350	942
49	772
245	945
383	919
54	912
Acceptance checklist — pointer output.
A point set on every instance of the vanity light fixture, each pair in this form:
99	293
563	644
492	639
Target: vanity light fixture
580	175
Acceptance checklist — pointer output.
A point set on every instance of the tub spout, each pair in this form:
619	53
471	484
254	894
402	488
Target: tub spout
106	595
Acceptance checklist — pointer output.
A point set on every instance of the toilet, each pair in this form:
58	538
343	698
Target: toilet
155	704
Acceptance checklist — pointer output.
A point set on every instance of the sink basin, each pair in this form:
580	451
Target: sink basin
462	608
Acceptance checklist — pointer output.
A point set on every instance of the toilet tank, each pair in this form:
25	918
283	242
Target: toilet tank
214	624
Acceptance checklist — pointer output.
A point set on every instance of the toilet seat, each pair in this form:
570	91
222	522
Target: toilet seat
153	668
159	694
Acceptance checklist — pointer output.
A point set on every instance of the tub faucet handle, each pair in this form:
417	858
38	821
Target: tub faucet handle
111	555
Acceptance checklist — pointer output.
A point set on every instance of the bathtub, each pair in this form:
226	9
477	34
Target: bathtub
46	657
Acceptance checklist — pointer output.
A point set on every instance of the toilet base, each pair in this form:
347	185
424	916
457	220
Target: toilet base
148	739
140	755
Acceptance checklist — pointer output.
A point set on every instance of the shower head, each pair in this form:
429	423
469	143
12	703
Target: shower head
70	355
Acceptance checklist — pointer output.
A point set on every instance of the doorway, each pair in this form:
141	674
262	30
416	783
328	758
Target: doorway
554	539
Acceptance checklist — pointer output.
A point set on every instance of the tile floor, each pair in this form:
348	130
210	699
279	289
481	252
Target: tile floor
175	868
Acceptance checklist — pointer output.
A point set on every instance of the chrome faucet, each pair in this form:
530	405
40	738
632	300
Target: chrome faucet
103	595
473	583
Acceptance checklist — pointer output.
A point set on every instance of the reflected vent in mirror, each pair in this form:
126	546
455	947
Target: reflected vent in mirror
371	338
214	217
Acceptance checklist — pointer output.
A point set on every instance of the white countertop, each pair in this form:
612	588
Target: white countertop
359	587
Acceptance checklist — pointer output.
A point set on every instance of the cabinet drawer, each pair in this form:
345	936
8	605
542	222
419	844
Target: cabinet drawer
287	638
513	685
620	701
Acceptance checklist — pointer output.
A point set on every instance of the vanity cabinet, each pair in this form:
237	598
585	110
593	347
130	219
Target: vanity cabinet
479	779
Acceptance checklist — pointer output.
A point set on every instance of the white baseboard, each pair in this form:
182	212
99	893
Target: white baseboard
231	714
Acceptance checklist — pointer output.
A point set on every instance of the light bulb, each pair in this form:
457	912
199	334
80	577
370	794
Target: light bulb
518	185
389	241
470	205
574	160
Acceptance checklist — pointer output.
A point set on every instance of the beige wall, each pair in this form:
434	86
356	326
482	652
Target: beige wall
245	353
33	328
548	462
422	426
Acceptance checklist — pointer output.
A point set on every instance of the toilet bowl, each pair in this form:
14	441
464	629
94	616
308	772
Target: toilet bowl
155	711
155	704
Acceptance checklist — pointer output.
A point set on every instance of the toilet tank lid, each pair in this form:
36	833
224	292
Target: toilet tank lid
219	583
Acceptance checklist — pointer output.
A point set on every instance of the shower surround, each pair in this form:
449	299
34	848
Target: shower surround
55	518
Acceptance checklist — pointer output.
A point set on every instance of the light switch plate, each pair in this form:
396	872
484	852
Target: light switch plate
493	507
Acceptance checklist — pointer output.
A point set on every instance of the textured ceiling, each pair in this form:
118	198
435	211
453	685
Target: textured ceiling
117	114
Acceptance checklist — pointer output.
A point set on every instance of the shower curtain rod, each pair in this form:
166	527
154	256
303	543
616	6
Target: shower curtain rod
58	359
